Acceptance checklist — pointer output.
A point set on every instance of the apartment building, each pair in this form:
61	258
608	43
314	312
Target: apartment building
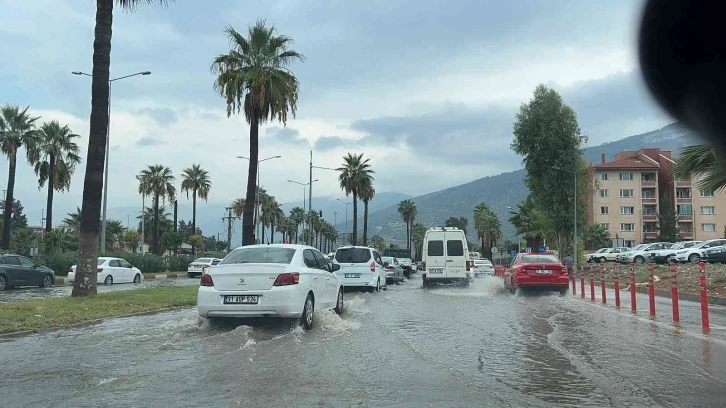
627	198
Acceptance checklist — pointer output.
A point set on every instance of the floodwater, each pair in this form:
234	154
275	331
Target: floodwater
404	347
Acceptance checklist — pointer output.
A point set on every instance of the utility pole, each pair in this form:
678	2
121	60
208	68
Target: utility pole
229	219
176	202
310	201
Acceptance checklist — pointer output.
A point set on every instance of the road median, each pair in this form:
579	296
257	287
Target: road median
40	314
61	280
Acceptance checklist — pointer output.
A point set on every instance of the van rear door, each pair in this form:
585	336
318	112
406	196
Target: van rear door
435	254
455	255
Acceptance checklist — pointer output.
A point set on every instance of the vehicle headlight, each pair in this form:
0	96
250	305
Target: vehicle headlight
681	252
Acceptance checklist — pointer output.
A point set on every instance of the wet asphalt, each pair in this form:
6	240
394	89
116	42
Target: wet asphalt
404	347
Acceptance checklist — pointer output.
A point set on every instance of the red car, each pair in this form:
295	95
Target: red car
543	271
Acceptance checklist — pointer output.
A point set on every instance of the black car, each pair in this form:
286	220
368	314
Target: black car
16	270
716	255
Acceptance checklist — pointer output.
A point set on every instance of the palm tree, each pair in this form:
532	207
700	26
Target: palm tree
367	192
407	210
238	206
277	217
157	181
418	233
530	222
487	226
254	77
297	215
165	222
196	180
73	221
115	232
58	155
87	261
702	160
354	173
17	129
378	242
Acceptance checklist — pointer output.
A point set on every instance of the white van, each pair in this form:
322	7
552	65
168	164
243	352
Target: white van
360	267
445	256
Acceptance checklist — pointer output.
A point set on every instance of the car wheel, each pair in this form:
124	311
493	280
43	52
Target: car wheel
602	260
466	283
3	283
378	285
190	275
306	320
425	283
47	281
694	258
639	259
563	291
108	280
339	304
137	278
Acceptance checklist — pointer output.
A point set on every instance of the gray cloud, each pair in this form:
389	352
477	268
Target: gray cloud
331	142
149	141
286	135
162	116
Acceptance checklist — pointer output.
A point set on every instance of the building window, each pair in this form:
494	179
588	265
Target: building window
684	209
707	210
705	193
626	193
683	192
626	176
626	210
685	227
604	176
627	227
647	177
650	227
604	210
650	210
648	193
708	227
629	243
603	193
605	225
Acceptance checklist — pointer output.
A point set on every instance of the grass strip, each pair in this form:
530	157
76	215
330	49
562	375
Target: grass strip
39	314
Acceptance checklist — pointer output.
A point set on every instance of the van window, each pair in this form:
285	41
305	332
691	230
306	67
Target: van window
435	248
455	248
353	255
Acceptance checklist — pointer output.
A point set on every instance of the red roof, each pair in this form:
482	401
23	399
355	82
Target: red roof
628	163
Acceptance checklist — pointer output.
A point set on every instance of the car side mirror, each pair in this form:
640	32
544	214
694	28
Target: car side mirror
335	267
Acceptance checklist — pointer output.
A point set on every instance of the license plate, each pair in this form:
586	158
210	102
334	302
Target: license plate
436	270
241	299
352	275
543	272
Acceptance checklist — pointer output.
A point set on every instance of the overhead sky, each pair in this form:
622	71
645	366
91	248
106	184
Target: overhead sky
428	90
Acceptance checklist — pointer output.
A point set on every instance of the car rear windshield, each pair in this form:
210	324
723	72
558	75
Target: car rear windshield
215	261
203	260
387	259
435	248
353	255
454	248
259	255
482	262
540	258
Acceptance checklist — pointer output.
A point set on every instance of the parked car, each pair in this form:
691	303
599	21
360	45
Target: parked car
394	270
112	270
407	266
445	256
543	271
17	270
482	267
606	254
276	280
593	257
694	253
715	254
667	255
360	267
200	265
641	253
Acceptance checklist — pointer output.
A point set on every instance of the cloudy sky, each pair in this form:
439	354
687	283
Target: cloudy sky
427	89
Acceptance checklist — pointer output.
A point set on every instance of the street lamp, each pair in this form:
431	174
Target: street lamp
257	195
108	133
143	208
347	203
574	241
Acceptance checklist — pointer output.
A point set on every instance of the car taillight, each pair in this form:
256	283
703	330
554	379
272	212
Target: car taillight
285	279
388	267
522	271
373	266
206	280
100	270
423	266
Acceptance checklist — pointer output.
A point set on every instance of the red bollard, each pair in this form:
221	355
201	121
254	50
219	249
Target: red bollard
582	283
602	284
674	293
651	289
574	283
704	296
632	288
616	284
592	285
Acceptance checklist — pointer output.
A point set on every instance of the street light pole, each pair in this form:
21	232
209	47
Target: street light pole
143	208
310	201
347	203
106	160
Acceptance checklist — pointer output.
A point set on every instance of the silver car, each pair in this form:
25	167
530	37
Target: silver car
394	270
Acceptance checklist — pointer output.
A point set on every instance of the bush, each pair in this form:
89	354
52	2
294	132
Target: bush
60	263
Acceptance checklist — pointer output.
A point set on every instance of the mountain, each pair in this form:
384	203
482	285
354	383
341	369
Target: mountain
508	189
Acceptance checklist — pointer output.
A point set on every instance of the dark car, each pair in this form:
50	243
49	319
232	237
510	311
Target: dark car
715	255
17	270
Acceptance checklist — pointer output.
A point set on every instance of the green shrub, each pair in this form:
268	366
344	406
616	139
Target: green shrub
60	263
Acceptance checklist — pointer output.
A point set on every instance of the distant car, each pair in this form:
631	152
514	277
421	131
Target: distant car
593	257
394	271
606	254
715	254
407	266
667	255
537	271
17	270
277	280
641	253
694	253
445	256
199	266
112	270
360	267
482	267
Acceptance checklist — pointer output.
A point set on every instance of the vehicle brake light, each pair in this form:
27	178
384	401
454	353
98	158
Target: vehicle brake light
100	270
206	280
373	266
389	267
423	265
285	279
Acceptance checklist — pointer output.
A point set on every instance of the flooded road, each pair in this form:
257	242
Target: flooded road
26	293
405	347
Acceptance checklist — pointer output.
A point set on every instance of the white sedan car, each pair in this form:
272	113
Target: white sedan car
279	280
483	267
112	270
199	266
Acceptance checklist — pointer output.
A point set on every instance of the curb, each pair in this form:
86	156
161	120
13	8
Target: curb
21	333
61	280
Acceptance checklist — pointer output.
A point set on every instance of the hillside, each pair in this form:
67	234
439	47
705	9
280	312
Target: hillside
508	189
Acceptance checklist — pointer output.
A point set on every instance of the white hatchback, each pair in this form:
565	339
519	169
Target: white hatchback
278	280
112	270
360	267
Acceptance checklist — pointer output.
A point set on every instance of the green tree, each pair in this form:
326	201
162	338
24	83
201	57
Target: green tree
197	241
355	172
254	77
196	180
132	239
56	156
90	226
238	206
407	210
488	228
418	233
115	233
667	220
157	181
367	192
530	222
701	160
17	129
460	223
22	240
378	242
596	236
171	240
17	218
297	215
547	136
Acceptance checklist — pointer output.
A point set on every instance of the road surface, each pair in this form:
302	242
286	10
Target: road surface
405	347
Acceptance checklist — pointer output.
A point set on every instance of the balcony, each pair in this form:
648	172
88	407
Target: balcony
650	200
648	183
682	183
684	217
686	234
684	200
650	217
650	234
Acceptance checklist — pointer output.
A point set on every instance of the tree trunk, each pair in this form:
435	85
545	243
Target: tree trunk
262	241
355	218
8	216
297	232
49	201
85	282
194	217
155	238
408	236
365	222
248	222
272	233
